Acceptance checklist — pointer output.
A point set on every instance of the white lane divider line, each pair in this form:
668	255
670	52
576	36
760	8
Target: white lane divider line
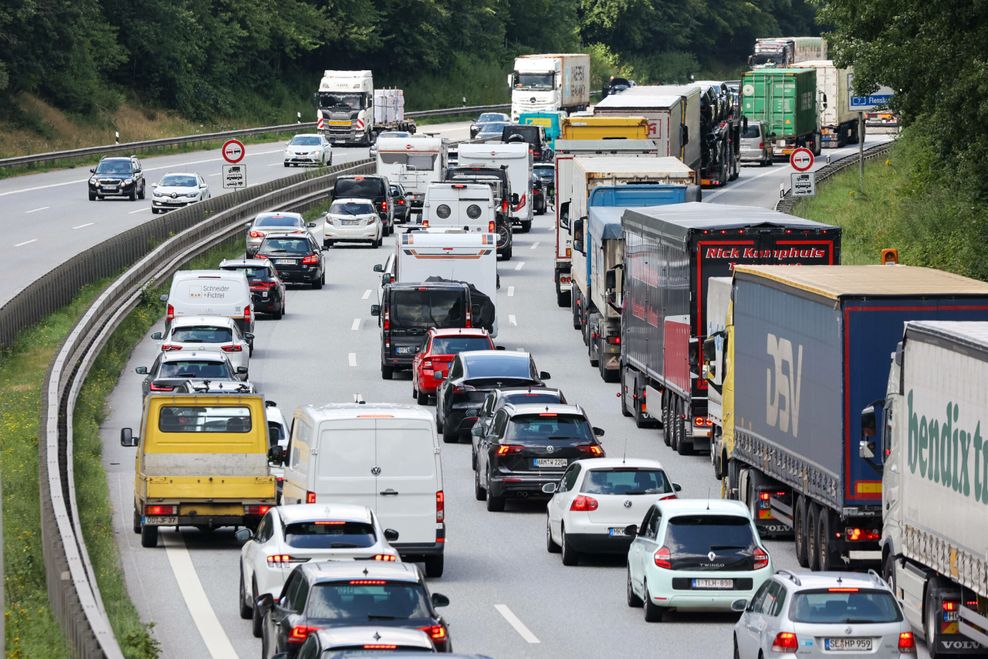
216	174
210	630
356	324
352	359
139	210
521	264
83	226
511	291
518	625
512	319
366	294
535	245
35	210
26	242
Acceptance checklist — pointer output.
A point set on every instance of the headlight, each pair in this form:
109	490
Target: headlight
128	181
93	180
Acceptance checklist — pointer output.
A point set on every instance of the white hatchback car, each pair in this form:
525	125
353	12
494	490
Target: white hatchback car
289	535
353	220
596	500
178	189
699	554
310	149
208	333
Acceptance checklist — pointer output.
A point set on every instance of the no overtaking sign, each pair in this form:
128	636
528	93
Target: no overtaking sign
801	159
233	151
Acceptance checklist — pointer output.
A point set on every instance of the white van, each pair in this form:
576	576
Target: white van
518	160
211	293
385	457
461	205
413	162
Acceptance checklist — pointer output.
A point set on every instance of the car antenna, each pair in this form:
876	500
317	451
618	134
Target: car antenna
708	497
624	456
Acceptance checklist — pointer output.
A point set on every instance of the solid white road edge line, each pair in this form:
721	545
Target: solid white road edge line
352	359
512	319
521	264
83	226
26	242
366	294
518	625
139	210
356	324
212	633
35	210
511	291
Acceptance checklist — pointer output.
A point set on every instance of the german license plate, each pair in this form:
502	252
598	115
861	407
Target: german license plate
285	261
615	532
337	122
404	350
161	521
848	644
550	462
713	584
350	223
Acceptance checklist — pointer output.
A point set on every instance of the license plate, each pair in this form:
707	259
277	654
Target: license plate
714	584
848	644
284	261
614	532
550	462
404	350
350	223
161	521
337	122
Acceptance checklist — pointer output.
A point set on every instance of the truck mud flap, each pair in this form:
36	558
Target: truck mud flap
653	402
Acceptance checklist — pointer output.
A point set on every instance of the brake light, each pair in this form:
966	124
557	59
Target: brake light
310	497
311	259
435	632
283	559
367	582
842	590
247	313
170	347
160	510
469	318
862	535
256	234
504	205
583	503
387	558
702	421
907	643
761	145
425	224
161	387
380	646
169	313
594	450
459	186
491	227
384	205
387	321
761	558
509	449
785	642
233	348
440	506
262	285
949	606
256	509
663	558
299	633
614	340
400	202
701	384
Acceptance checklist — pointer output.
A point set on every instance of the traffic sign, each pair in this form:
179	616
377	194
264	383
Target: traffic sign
803	184
801	159
880	99
234	176
233	151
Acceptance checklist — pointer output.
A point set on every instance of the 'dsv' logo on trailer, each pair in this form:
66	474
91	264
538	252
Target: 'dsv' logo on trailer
782	385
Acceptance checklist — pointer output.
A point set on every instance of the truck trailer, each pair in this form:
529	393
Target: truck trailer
720	134
926	439
838	125
782	52
784	100
670	253
350	111
812	346
549	83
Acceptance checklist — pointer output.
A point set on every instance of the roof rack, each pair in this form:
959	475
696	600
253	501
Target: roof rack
879	578
789	575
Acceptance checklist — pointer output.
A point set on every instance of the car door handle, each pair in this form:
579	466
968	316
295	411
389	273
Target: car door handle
389	493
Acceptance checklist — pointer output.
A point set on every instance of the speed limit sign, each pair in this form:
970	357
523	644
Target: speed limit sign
801	159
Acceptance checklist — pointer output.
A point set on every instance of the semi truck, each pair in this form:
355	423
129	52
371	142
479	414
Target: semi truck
350	111
838	125
812	346
781	52
670	253
673	114
720	134
784	100
549	83
926	439
602	188
566	150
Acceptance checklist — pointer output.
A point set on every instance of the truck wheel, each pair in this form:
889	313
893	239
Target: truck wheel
149	536
673	423
684	446
799	530
562	297
825	541
930	617
888	572
386	372
624	393
576	308
434	566
812	545
817	147
506	254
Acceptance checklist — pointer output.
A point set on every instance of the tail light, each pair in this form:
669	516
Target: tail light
663	558
380	646
949	606
311	259
435	632
247	313
425	224
862	535
761	558
387	321
583	503
440	506
509	449
785	642
262	285
310	497
400	202
701	384
842	590
256	509
702	421
907	643
593	450
492	227
504	205
284	559
169	313
384	205
469	319
170	347
299	633
614	340
161	387
761	145
233	348
160	510
256	234
387	558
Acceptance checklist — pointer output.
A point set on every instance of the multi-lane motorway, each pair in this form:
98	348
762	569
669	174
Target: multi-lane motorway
510	598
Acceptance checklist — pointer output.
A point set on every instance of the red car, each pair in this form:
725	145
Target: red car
431	364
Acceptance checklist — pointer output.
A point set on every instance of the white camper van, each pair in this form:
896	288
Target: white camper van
467	206
517	159
413	162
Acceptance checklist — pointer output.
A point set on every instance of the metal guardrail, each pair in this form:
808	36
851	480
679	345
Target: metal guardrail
133	147
787	202
150	253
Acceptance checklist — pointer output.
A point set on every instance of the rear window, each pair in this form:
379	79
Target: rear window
330	534
753	130
859	607
494	366
540	427
411	161
453	345
351	208
276	221
367	188
204	419
202	334
626	481
364	600
194	370
534	397
427	308
699	534
291	245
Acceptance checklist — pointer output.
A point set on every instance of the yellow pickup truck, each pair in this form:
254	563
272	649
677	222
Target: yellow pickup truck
202	460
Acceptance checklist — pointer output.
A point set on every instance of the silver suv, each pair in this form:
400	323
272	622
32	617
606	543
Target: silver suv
823	614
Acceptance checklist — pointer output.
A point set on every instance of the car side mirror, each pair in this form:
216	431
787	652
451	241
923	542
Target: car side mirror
866	449
270	403
440	375
544	375
248	335
276	455
390	535
598	432
243	535
311	225
127	438
141	370
242	370
549	488
676	487
92	170
379	267
439	600
375	309
514	198
631	530
163	297
499	347
157	336
739	605
264	603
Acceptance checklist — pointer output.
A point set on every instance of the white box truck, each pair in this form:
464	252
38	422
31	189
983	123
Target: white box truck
412	162
673	113
517	159
928	441
549	83
838	125
350	111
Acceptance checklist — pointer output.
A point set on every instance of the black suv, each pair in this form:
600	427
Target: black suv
117	177
267	291
529	446
498	398
298	258
376	189
503	198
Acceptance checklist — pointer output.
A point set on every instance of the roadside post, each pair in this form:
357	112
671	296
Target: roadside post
803	181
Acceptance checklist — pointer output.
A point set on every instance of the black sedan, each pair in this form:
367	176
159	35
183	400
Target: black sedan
266	288
488	118
298	258
472	375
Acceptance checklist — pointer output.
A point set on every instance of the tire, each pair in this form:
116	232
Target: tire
591	348
562	297
92	196
672	429
494	504
149	536
329	244
143	193
817	147
812	553
550	545
387	372
624	393
569	555
450	435
799	531
930	616
666	425
434	566
526	226
256	620
888	572
133	194
652	613
319	282
575	311
506	255
280	312
246	612
479	491
137	522
421	399
634	601
683	446
825	541
737	651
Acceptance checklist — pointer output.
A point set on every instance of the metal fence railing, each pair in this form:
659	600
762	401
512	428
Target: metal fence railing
134	147
146	254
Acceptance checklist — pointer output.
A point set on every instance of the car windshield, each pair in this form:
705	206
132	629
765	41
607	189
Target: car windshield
202	334
454	345
305	140
753	130
850	606
204	419
394	133
426	307
351	208
547	174
330	534
699	534
367	600
548	425
179	181
361	188
194	370
418	162
626	480
354	101
534	81
276	221
289	245
493	128
488	117
114	167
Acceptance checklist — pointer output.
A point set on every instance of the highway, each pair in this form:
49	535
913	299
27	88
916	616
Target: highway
510	598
